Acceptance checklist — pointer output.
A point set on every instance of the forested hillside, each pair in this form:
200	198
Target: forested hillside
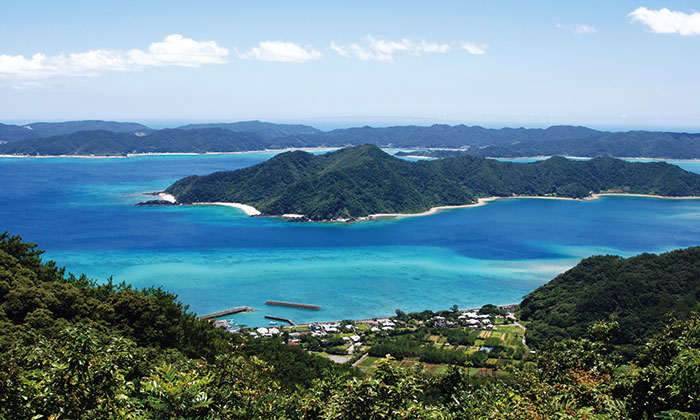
363	180
264	129
70	348
638	293
108	143
628	144
35	130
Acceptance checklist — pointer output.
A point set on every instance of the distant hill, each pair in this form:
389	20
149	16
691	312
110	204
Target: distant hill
265	129
441	135
628	144
363	180
10	133
108	143
477	141
636	292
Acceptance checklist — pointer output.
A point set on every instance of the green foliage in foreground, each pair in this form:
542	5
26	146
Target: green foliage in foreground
67	355
39	302
363	180
76	375
637	293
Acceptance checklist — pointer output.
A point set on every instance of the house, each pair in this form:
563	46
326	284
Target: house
386	322
331	327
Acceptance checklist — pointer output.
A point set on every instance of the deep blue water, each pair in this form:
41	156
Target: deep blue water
81	212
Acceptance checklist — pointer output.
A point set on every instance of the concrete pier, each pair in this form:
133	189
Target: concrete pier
277	318
235	310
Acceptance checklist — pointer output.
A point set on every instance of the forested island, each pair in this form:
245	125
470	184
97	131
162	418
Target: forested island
364	180
106	138
74	348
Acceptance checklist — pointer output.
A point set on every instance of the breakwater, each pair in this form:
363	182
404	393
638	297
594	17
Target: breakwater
279	318
293	305
235	310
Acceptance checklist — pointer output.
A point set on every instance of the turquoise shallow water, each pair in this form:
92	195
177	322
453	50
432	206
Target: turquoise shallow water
81	211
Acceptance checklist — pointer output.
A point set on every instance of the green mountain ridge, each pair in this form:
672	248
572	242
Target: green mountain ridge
10	132
265	129
363	180
474	140
107	143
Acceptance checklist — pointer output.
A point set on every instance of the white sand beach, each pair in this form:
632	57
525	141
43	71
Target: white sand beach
480	202
167	197
249	210
483	201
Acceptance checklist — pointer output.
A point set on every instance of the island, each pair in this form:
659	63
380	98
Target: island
365	182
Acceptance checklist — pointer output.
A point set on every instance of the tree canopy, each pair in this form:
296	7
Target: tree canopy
637	293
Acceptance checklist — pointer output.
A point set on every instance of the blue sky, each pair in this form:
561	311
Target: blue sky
627	64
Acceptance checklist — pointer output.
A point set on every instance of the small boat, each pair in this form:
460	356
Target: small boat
273	323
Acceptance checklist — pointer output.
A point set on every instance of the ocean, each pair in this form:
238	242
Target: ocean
81	211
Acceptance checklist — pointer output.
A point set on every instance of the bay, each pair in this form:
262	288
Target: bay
81	211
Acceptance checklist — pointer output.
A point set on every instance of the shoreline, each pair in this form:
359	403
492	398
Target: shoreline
128	155
506	306
324	148
484	201
248	210
253	212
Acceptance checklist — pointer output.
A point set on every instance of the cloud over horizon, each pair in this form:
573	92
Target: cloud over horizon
665	21
174	50
280	51
474	49
384	50
578	28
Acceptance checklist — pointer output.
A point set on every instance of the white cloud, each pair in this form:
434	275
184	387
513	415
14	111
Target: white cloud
174	50
665	21
577	28
384	50
474	49
285	52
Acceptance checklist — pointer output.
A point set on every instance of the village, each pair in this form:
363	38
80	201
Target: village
485	340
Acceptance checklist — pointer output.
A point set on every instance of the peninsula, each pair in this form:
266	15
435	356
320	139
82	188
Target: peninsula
363	180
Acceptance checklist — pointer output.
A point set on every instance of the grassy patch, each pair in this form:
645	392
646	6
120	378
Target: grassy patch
442	369
369	362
